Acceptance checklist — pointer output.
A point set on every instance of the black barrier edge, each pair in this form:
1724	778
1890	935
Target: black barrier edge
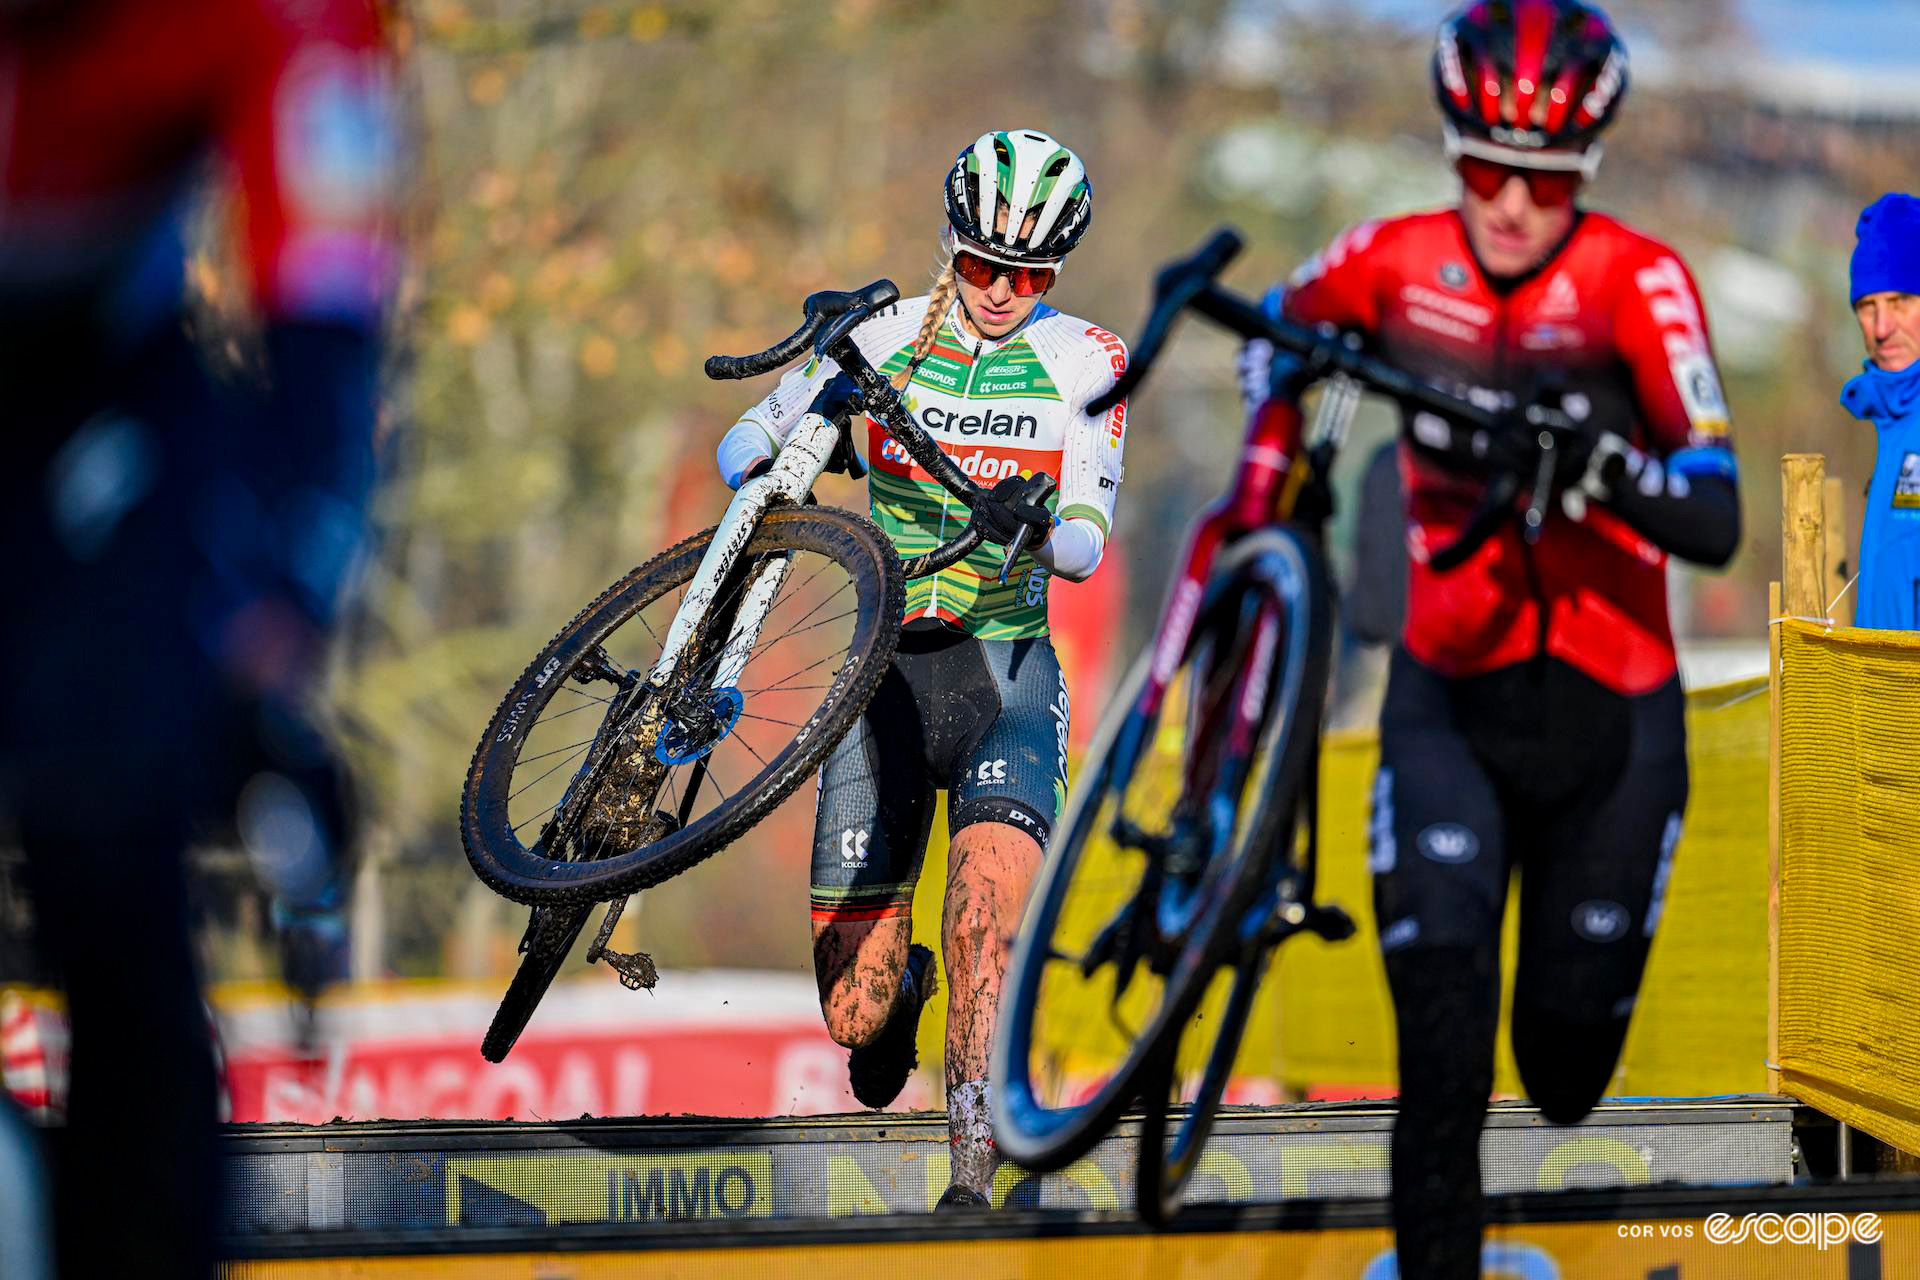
1623	1204
674	1132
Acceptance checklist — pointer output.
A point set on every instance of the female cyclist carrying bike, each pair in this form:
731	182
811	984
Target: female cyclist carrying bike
975	702
1533	718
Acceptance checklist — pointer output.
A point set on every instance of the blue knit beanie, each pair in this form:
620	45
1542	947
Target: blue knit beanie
1887	258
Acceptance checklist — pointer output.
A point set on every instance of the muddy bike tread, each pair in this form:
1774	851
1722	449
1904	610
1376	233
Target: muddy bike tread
510	869
547	950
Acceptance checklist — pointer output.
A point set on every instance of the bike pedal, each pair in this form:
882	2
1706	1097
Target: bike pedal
635	971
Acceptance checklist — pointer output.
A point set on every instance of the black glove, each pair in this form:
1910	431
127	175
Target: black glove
1006	512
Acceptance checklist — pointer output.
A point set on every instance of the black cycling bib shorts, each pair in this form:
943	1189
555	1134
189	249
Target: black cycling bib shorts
1539	769
986	720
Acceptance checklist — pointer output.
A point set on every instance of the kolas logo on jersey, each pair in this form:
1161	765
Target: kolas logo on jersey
1453	275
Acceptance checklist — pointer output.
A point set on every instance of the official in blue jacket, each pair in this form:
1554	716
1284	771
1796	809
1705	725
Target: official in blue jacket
1886	301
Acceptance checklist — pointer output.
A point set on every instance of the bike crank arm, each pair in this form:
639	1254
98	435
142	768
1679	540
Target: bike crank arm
636	970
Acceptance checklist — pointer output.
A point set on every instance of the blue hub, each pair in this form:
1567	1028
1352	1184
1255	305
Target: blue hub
699	725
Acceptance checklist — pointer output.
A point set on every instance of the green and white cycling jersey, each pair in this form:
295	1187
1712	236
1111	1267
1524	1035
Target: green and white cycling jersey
998	407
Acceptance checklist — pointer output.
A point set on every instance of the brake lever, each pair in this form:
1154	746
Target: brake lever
1536	517
1038	490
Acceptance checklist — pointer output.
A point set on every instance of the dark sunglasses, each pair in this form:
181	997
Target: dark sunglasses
981	273
1546	187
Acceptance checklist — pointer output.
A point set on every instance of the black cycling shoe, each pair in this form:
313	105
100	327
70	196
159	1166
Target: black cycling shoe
878	1070
960	1198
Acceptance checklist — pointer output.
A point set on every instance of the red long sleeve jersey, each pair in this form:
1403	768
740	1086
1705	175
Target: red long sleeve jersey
108	109
1614	315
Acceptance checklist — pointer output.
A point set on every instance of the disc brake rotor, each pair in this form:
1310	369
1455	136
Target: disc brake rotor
698	725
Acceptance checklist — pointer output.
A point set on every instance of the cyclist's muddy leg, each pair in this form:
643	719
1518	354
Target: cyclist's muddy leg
990	868
870	834
858	966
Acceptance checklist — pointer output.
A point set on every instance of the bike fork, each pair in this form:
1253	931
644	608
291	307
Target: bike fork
801	462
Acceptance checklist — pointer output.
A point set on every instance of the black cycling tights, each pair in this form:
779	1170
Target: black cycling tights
1446	1010
1446	1003
1539	771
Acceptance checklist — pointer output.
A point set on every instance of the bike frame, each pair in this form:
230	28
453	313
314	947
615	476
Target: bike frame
801	461
1268	476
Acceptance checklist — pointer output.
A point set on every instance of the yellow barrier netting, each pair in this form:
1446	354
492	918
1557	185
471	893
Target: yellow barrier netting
1701	1024
1849	959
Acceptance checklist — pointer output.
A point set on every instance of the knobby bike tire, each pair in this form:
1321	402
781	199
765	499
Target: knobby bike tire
509	868
547	949
1047	1138
1163	1169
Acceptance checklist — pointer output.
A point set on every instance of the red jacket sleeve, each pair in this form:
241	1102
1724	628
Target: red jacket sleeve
1660	331
312	131
1336	286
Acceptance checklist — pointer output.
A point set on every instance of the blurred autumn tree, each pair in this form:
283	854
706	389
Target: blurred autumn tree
609	192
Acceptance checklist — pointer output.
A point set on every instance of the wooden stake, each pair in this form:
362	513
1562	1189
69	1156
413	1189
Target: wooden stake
1839	552
1803	549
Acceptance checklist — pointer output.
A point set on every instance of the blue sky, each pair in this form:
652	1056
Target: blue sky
1880	33
1876	33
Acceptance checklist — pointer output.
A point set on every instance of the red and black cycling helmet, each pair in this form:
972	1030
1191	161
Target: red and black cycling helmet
1526	77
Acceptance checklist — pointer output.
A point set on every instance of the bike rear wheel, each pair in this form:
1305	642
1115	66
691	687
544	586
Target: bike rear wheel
628	786
1114	960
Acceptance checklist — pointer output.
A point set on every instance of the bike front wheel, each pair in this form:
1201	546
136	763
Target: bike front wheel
590	784
550	936
1165	846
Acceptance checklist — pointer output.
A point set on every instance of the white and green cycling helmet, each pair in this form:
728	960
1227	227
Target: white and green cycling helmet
1022	170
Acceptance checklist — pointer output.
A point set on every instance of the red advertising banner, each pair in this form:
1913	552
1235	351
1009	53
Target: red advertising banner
714	1043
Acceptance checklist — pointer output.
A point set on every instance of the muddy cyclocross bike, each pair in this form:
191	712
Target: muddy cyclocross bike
1187	852
694	695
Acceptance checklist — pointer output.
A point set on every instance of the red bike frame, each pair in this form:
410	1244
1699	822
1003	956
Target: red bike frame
1268	477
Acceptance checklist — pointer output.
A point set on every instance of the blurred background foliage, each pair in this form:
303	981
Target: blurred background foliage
606	193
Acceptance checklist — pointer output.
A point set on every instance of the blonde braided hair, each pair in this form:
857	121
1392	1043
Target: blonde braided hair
945	286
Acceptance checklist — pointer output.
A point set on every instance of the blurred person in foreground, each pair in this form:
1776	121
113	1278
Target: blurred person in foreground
1886	302
177	540
1534	721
